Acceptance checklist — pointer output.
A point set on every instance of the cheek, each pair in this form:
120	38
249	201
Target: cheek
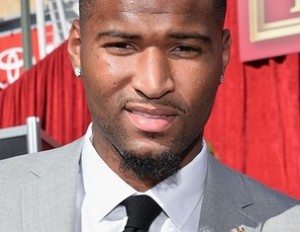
105	78
104	75
196	84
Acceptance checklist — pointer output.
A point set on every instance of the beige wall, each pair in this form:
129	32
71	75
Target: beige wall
10	8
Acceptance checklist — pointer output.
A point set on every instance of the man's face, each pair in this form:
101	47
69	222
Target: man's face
151	70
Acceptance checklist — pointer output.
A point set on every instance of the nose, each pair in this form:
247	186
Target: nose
153	78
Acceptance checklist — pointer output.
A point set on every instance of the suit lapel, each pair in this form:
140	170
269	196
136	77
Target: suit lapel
225	198
48	200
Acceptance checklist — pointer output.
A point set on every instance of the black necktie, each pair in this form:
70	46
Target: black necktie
141	211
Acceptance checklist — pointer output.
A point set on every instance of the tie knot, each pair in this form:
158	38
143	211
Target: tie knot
141	211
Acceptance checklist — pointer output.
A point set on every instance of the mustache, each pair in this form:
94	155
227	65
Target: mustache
154	102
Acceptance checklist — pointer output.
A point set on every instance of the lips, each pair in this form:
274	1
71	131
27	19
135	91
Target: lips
150	118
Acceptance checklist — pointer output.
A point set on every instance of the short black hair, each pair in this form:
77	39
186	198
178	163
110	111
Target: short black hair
220	8
85	7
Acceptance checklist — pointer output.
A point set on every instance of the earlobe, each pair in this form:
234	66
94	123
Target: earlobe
226	44
74	44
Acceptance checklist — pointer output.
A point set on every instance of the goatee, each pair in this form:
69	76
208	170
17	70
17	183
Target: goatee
150	167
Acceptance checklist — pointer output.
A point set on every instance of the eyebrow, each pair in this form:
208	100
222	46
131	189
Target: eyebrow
173	35
118	34
192	35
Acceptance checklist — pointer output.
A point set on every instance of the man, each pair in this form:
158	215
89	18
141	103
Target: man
151	70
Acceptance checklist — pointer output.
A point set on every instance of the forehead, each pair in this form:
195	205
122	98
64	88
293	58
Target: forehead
150	17
160	6
189	8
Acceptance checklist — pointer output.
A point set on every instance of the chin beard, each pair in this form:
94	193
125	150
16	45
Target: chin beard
149	167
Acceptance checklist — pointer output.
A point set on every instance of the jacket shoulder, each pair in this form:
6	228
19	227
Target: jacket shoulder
17	169
40	173
255	198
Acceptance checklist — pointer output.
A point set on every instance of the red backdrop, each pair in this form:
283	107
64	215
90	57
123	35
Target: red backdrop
11	55
254	127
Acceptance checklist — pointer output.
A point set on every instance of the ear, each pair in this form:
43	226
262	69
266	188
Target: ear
74	44
226	44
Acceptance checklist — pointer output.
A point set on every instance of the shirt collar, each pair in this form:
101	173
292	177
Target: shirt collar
177	195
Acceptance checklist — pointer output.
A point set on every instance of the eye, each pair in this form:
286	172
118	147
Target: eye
186	51
119	48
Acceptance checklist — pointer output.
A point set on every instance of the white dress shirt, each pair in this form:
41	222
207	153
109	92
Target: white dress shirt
100	191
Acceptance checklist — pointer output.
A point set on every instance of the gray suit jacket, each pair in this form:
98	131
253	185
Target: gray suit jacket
38	192
288	221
